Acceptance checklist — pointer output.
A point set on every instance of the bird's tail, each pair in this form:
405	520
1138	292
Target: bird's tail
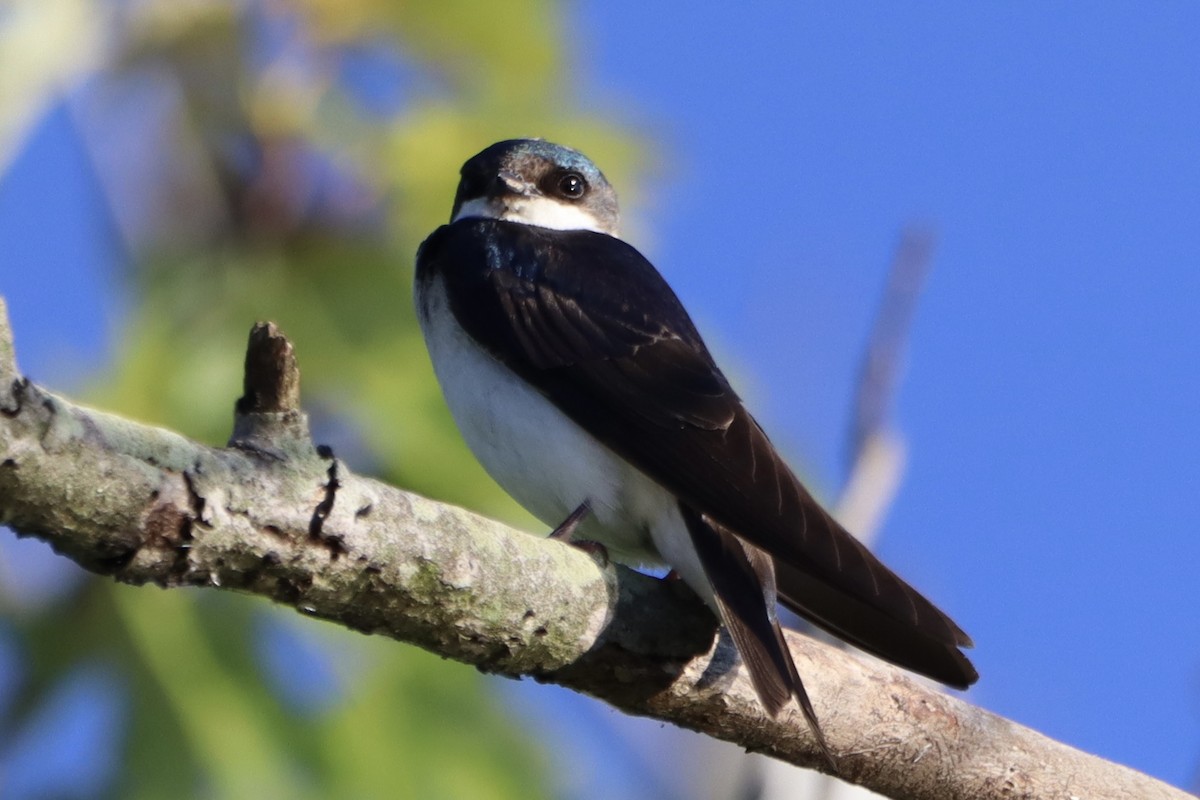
743	583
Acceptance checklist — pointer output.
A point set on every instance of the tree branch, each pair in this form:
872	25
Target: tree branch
273	516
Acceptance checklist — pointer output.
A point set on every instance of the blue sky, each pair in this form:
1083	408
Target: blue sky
1052	500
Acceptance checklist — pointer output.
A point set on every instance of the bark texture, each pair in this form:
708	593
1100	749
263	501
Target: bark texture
275	516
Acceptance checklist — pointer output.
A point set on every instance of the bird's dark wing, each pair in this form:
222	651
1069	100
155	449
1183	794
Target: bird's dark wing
866	626
589	322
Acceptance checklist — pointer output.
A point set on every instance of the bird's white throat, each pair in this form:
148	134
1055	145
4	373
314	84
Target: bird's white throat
544	212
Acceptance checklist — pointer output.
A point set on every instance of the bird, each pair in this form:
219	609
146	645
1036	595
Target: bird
581	384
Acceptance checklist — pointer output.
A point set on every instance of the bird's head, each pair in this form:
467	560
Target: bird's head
535	182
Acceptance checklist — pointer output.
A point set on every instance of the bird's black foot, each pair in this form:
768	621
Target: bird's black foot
565	532
566	528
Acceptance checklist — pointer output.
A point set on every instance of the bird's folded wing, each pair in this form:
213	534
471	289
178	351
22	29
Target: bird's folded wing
591	324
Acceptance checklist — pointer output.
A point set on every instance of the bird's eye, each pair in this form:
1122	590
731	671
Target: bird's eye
571	185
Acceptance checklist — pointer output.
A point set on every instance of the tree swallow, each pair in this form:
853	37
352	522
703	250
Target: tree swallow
581	384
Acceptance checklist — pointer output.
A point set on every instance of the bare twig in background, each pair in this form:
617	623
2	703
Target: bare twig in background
876	450
884	358
877	457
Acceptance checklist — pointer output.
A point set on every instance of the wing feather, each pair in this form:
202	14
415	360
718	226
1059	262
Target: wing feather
588	321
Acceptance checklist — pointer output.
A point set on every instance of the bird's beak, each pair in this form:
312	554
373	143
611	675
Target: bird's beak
510	182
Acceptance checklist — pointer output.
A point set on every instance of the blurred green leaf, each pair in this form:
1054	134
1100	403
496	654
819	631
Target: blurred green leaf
263	189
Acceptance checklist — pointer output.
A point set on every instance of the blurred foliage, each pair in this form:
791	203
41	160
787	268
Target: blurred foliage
282	160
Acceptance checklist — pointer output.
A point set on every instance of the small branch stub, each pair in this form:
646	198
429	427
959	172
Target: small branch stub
267	417
272	380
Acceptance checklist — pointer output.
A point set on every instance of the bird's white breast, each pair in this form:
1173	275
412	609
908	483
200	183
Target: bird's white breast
536	453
